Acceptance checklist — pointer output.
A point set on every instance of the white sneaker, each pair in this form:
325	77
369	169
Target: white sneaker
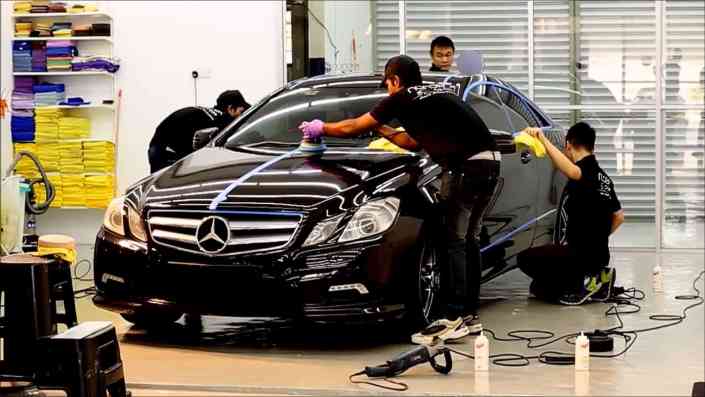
472	322
444	330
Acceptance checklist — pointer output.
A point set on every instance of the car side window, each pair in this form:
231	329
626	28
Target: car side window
497	117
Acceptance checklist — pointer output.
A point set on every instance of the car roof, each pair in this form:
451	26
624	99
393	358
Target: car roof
370	79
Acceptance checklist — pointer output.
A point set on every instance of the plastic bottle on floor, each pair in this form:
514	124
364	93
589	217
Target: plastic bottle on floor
657	279
482	353
582	353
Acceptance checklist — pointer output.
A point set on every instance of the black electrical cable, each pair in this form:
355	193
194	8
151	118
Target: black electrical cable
82	276
398	386
38	208
623	298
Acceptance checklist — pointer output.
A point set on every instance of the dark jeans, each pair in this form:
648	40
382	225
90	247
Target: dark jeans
556	270
160	158
466	193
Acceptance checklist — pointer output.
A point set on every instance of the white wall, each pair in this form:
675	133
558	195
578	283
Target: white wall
343	17
316	35
159	44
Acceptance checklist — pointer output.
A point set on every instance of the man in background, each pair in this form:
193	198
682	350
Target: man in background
442	53
173	138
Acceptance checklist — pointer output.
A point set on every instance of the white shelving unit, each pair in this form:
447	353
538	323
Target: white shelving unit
93	86
81	73
63	14
72	38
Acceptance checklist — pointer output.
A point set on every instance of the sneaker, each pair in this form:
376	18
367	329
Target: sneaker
608	277
444	331
472	322
578	298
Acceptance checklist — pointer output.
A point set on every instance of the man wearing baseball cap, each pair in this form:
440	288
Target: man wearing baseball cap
435	119
173	138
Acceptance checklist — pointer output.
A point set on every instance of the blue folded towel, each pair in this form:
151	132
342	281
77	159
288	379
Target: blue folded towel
22	136
48	87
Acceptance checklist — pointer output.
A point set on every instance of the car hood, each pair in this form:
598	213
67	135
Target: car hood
283	180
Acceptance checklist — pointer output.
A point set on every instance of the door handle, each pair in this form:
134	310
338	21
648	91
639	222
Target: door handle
526	157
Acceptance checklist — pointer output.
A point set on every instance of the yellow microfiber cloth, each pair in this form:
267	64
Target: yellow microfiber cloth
386	145
524	140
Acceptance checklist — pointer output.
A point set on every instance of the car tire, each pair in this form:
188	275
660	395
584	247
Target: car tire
424	283
149	320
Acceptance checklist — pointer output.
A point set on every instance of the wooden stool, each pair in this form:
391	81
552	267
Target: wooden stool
60	278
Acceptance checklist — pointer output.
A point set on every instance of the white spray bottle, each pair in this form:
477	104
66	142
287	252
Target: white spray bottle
582	353
482	353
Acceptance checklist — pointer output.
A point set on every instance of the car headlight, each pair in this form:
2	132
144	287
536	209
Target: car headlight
372	218
136	225
113	218
322	231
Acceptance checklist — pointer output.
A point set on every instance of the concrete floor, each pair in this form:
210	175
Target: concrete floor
240	357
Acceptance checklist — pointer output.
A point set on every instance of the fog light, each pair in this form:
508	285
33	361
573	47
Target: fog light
347	287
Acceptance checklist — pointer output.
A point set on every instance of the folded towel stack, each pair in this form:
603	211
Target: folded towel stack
99	190
70	158
22	56
99	156
73	190
23	29
74	127
22	7
61	29
41	29
48	94
25	166
47	124
39	56
49	156
59	55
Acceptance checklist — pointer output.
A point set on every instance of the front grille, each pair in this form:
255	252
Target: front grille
250	231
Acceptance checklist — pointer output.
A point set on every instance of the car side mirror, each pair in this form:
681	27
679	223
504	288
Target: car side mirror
202	137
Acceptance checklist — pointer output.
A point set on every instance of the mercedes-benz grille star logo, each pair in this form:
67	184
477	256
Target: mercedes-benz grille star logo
213	234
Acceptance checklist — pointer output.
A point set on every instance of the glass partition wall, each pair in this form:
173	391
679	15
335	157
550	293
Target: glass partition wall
633	69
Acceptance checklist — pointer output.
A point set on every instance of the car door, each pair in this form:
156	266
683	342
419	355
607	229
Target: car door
507	225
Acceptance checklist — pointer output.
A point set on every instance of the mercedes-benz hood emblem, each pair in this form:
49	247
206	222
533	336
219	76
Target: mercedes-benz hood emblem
213	234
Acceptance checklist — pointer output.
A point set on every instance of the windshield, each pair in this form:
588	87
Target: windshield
276	123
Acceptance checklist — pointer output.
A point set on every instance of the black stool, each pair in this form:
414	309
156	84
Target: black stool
90	363
61	289
24	284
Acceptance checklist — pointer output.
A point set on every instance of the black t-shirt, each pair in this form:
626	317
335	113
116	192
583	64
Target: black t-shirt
443	125
585	213
177	130
435	68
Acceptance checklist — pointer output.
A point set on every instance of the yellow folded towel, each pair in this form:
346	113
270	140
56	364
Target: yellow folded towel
524	140
386	145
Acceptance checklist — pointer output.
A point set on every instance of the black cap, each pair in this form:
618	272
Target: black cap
231	98
406	68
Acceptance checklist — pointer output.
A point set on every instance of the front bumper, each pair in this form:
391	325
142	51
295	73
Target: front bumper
132	276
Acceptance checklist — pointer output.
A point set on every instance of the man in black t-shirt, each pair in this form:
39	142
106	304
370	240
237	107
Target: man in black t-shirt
436	119
173	138
575	269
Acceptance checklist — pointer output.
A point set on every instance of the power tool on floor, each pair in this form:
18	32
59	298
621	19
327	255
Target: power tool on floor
20	207
403	362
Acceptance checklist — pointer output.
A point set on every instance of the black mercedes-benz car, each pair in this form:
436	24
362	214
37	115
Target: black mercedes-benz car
249	225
